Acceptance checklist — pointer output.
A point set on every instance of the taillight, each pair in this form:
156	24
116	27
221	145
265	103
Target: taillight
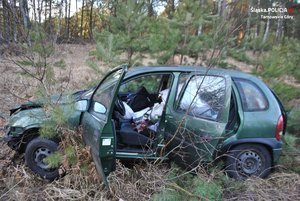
279	128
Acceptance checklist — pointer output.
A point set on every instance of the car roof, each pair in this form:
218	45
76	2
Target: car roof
213	70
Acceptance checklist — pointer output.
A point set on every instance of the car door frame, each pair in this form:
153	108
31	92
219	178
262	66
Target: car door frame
155	153
172	113
99	153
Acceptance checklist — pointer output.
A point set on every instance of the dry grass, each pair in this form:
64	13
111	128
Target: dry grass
19	183
279	186
138	183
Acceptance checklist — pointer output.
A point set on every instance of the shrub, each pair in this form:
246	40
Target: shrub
183	186
285	91
290	159
239	55
283	59
208	189
293	121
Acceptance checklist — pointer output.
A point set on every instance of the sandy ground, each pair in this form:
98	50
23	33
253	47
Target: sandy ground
15	89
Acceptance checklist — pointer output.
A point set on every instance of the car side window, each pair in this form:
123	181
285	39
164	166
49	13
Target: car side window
150	82
252	97
203	96
105	93
183	78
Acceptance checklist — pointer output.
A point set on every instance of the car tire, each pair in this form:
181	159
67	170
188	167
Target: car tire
247	160
36	150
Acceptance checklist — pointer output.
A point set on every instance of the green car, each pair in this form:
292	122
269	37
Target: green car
191	115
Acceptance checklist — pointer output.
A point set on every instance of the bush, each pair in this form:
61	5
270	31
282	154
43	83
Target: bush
290	159
294	121
183	186
239	55
207	189
285	91
283	60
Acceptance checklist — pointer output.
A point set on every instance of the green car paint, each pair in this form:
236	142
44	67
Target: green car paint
208	139
205	134
35	115
27	119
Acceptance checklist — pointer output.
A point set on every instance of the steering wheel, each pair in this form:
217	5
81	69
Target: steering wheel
119	106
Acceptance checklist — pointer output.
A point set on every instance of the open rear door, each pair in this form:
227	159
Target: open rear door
98	126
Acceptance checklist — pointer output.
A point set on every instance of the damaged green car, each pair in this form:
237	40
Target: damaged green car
190	115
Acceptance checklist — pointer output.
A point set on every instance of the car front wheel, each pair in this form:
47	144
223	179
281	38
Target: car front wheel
247	160
36	151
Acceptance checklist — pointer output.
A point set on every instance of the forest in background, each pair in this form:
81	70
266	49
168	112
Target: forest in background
261	33
185	32
70	20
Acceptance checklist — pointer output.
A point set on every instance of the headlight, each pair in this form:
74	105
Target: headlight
15	130
6	129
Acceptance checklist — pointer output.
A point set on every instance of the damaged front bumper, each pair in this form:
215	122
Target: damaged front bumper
14	142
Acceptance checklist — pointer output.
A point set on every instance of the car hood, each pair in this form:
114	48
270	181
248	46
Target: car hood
59	99
33	113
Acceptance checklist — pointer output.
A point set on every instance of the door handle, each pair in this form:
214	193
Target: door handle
169	116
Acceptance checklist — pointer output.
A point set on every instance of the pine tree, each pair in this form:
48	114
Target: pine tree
127	28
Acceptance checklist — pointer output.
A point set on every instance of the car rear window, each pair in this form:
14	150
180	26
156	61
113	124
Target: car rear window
252	97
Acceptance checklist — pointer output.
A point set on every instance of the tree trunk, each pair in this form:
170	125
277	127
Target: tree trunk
59	20
13	9
150	8
266	34
248	23
294	29
183	47
223	8
50	10
40	9
50	17
199	32
170	8
91	20
257	22
81	23
66	19
219	8
25	13
77	20
69	17
5	21
1	22
26	21
279	30
45	13
34	11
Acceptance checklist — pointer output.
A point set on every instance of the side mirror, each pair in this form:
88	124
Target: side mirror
99	108
81	105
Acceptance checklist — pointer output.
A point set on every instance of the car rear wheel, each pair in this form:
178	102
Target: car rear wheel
36	151
247	160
